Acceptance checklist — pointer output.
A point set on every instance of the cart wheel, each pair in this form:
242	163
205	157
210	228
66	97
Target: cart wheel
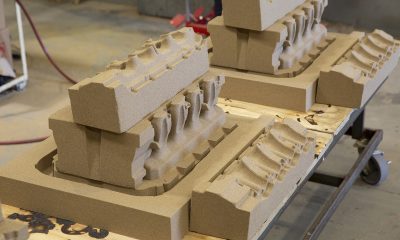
377	169
21	86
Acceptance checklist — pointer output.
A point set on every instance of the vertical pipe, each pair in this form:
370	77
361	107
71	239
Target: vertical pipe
24	77
21	41
188	13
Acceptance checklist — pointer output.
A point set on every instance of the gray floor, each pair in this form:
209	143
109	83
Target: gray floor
84	38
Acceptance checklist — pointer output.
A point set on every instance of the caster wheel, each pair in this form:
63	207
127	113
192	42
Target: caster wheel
20	86
377	169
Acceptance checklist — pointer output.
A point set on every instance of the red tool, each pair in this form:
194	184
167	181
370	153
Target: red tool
196	20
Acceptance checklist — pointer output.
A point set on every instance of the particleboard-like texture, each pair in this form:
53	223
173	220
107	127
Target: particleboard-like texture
324	120
43	227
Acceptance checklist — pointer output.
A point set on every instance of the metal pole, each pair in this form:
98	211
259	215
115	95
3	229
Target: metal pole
21	41
331	205
24	77
188	13
358	126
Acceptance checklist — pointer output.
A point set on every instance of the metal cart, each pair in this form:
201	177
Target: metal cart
20	82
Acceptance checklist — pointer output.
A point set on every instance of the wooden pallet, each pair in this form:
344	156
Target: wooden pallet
324	120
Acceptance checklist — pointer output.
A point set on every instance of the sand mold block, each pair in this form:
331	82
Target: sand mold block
141	138
164	216
143	158
295	93
256	14
235	204
283	49
353	80
115	100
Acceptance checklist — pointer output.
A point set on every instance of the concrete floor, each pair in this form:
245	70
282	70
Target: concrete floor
84	38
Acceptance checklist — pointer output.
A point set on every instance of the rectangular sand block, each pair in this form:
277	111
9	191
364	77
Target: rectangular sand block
241	49
237	203
256	14
118	98
296	93
361	71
